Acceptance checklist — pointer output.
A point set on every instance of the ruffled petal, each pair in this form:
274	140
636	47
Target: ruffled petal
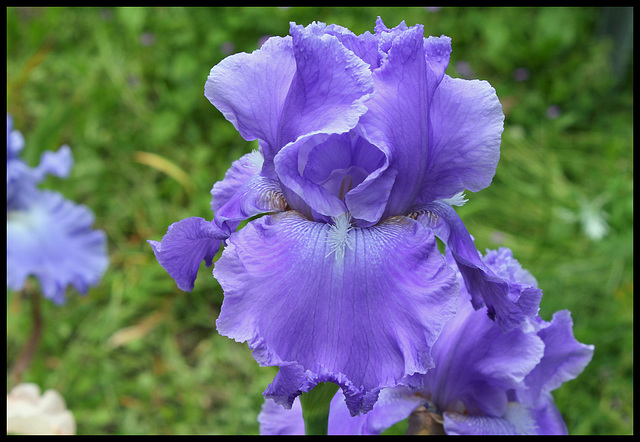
476	363
53	241
328	89
398	114
22	180
465	128
357	307
365	46
564	357
186	244
250	90
57	163
509	308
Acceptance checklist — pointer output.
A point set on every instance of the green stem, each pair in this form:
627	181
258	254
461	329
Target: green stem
315	408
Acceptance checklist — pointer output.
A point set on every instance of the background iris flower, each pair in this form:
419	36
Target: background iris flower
48	236
365	145
484	381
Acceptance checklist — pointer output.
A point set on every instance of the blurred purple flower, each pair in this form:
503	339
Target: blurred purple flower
48	236
464	69
521	74
147	39
553	111
345	125
227	47
484	382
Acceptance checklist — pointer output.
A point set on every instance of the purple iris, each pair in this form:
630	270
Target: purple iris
364	146
484	381
48	236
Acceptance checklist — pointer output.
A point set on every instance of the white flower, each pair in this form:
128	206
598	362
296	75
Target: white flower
28	412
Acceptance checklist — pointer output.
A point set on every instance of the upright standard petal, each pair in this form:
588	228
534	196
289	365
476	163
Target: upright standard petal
250	89
186	244
360	307
397	118
465	128
328	89
53	241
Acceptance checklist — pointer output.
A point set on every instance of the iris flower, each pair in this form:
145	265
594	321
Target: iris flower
484	381
48	236
365	144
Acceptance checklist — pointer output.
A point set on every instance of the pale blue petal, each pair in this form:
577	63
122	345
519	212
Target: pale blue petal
53	240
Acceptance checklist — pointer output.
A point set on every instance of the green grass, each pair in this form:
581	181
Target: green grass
113	82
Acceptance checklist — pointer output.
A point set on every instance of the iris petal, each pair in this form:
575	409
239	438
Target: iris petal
365	320
328	89
510	308
258	195
465	127
398	113
250	89
517	420
238	174
564	357
53	240
186	244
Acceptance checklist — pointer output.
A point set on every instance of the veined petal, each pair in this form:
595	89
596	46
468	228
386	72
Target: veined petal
548	417
238	174
476	363
275	420
250	90
311	194
186	244
328	89
509	308
465	127
398	114
257	195
364	319
393	405
564	357
53	241
365	46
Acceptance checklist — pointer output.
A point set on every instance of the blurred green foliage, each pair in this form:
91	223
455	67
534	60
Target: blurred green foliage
138	356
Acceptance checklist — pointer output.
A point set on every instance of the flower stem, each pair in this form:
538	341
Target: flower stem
315	408
25	357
